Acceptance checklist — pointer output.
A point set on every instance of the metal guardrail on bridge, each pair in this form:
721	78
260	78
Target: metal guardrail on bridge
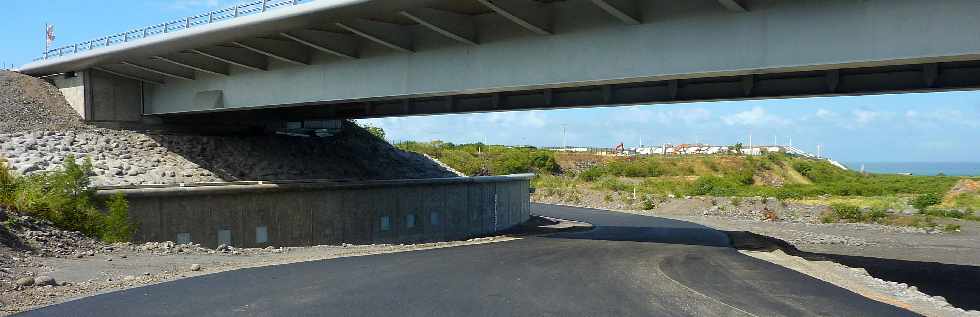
240	10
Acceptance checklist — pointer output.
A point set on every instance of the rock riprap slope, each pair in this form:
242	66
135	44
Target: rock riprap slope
39	130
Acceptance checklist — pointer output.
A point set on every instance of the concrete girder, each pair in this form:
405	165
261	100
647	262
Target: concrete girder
196	62
734	5
235	56
339	44
529	15
627	11
128	76
390	35
158	71
452	25
286	51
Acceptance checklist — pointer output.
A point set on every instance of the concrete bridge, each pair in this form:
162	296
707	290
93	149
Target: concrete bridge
273	61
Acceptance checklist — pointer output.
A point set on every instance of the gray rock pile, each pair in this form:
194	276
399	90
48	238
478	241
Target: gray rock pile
755	208
32	104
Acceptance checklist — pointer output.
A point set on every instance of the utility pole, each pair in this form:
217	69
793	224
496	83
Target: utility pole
818	151
775	140
750	143
564	140
790	141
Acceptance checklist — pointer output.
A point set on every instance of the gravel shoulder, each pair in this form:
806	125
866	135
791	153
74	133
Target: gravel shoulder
930	272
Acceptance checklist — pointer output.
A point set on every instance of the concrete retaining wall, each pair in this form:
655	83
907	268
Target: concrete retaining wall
313	213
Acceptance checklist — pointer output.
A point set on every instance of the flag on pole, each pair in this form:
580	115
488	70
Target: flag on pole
49	34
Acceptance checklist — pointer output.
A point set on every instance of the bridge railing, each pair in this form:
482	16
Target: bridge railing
244	9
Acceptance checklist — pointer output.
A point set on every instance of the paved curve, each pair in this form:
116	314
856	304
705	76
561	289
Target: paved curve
629	265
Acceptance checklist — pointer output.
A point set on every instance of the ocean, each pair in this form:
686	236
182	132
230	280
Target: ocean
919	168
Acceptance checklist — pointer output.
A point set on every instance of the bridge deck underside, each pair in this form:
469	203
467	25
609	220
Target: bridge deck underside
871	80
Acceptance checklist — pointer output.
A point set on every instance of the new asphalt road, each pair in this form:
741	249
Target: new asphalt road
629	265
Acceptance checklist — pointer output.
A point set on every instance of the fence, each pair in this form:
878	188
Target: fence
240	10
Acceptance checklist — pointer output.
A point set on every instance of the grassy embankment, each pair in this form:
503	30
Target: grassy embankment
854	197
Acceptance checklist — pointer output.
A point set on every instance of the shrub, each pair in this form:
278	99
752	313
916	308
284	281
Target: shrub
8	184
876	215
846	211
922	202
951	228
590	174
118	227
648	204
704	186
948	213
375	131
828	217
66	198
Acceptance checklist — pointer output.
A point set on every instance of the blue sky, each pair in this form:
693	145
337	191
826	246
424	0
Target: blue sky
884	128
889	128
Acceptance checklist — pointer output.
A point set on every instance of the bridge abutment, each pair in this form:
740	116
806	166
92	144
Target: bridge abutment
102	97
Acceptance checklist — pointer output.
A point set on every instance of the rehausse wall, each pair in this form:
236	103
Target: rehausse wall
259	214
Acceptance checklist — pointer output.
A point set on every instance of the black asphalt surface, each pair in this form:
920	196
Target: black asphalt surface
629	265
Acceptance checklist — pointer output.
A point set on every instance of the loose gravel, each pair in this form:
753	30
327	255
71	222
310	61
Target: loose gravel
32	104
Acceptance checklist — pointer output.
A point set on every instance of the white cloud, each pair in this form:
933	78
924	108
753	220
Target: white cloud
943	117
754	117
825	114
862	117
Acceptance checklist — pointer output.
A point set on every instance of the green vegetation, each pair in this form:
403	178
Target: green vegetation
66	198
855	197
376	131
926	200
800	178
480	159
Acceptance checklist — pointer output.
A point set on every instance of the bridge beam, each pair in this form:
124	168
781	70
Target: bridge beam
128	76
158	71
196	62
285	51
734	5
390	35
529	15
338	44
627	11
235	56
456	26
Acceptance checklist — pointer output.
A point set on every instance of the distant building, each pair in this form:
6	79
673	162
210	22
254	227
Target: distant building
706	149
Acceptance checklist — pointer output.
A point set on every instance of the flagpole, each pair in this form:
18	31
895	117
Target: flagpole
44	37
